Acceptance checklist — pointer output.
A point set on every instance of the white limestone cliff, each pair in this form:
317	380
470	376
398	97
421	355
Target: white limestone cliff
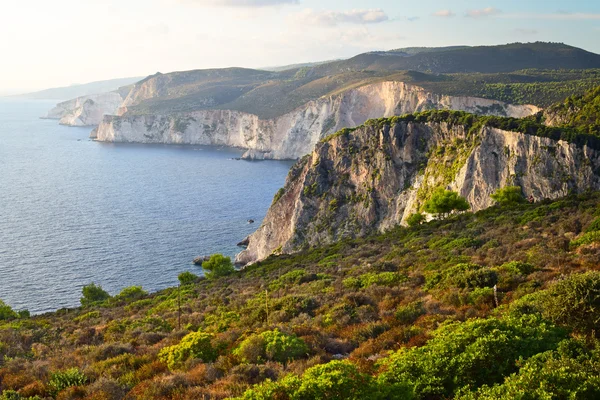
373	178
86	110
293	134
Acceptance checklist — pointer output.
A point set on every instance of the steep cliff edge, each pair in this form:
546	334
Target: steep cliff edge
294	134
86	110
372	178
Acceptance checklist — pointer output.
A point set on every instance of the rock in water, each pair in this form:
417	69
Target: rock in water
201	259
244	242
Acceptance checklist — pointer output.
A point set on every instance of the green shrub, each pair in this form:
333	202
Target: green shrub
373	278
469	276
407	314
586	238
336	380
415	219
131	293
471	353
594	226
93	294
508	195
443	202
187	278
518	267
271	345
193	345
575	302
14	395
352	283
218	265
6	312
569	372
63	379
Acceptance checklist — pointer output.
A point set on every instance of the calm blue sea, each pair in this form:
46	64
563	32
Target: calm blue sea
74	211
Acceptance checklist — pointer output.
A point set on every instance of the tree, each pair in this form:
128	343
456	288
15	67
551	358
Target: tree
93	293
6	312
218	265
415	219
443	202
187	278
508	195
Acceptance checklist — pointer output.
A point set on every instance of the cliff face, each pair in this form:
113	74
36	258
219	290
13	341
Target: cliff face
293	134
86	110
374	178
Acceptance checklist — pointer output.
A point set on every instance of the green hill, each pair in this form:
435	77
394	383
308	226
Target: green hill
412	311
581	112
532	73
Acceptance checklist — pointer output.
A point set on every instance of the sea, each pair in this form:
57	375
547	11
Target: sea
74	211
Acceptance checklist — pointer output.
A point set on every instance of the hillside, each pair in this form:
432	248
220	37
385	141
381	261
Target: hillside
272	94
375	176
412	313
581	112
73	91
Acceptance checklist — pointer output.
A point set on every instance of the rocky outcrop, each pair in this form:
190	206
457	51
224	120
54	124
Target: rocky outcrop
293	134
373	178
86	110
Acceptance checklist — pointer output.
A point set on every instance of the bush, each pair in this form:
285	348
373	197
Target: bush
187	278
594	226
575	302
443	202
13	395
336	380
508	195
6	312
586	238
470	354
407	314
131	293
93	294
469	276
518	267
415	219
570	372
271	345
193	345
372	278
217	266
64	379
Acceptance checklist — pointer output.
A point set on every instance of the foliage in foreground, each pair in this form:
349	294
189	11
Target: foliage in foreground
411	313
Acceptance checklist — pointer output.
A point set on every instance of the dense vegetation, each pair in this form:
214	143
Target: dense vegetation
581	112
534	125
491	305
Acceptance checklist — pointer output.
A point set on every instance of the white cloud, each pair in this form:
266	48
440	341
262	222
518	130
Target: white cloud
241	3
332	18
484	12
444	13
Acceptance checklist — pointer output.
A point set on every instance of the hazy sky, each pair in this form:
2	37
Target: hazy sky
49	43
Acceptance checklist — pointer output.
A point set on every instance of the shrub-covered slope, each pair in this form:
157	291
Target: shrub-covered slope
491	305
514	73
580	112
370	178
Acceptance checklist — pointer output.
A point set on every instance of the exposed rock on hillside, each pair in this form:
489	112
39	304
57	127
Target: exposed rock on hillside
86	110
373	178
294	134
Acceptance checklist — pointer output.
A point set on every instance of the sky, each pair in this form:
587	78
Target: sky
51	43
